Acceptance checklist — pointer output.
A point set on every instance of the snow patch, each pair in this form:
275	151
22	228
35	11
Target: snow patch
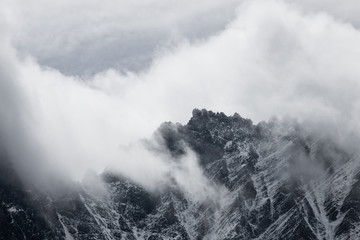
13	209
67	233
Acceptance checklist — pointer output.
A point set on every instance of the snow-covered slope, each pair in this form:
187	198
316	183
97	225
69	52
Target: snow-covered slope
274	181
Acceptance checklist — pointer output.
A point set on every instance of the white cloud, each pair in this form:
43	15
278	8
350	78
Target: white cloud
271	59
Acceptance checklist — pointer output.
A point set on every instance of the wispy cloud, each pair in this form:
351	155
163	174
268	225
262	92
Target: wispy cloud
271	59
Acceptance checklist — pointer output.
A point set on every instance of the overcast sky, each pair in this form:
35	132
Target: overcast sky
81	79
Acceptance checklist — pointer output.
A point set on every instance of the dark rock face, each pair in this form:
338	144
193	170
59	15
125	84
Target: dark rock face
277	182
23	215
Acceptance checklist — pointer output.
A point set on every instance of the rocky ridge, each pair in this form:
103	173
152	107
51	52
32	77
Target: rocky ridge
279	182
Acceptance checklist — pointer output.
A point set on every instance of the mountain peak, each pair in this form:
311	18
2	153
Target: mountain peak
278	185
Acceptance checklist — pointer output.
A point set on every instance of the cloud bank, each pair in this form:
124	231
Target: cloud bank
273	58
84	37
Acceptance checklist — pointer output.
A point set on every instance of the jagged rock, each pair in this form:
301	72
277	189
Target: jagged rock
281	182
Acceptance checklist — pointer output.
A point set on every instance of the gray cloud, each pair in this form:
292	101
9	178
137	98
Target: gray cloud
347	11
272	59
85	37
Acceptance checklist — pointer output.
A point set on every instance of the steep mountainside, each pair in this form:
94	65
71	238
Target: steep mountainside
274	181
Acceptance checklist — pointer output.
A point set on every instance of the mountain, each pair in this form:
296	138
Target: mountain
273	180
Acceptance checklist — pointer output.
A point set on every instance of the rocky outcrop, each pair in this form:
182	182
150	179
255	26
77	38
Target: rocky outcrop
279	182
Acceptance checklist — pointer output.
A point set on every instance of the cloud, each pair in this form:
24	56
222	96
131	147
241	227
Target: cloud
346	12
272	59
84	37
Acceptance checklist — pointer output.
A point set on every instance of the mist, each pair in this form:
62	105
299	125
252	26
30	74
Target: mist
265	58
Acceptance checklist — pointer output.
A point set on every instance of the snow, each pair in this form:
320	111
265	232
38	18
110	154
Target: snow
67	233
99	220
13	209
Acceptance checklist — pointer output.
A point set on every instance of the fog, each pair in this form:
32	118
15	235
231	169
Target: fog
66	106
